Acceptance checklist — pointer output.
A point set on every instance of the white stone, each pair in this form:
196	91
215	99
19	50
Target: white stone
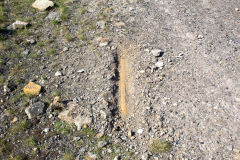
42	5
140	131
159	64
58	73
156	52
19	25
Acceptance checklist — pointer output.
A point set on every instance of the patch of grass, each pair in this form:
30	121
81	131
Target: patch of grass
68	156
21	126
88	132
30	142
64	12
40	44
81	35
62	128
55	22
68	37
57	93
35	56
159	146
2	80
3	15
5	147
83	11
51	52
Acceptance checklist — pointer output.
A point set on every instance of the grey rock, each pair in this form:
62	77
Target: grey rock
65	49
42	5
18	25
46	130
101	144
53	16
76	138
80	71
58	73
26	52
35	109
140	131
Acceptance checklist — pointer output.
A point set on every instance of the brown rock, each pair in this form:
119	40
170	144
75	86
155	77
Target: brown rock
32	89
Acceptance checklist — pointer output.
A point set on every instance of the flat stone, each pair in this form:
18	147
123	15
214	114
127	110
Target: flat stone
18	25
101	144
159	64
35	110
32	89
58	73
42	5
156	52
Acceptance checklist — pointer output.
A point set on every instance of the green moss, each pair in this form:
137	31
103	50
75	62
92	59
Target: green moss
68	156
159	146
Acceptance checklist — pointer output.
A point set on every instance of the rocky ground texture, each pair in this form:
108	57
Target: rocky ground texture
111	79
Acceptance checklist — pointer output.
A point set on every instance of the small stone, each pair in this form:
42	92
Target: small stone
236	9
230	147
14	120
91	156
76	138
53	16
100	134
42	5
101	24
159	64
102	41
156	52
119	24
26	52
19	25
101	144
35	110
200	36
31	41
140	131
32	89
117	158
46	130
65	49
58	73
80	71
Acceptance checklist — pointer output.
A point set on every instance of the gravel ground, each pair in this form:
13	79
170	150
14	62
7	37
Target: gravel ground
137	71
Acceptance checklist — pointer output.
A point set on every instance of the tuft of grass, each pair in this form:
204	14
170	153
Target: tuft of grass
68	37
64	12
21	126
30	142
51	52
68	156
2	80
159	146
3	15
83	11
62	128
35	56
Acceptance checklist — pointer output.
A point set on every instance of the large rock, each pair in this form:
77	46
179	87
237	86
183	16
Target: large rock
42	5
18	25
32	89
35	109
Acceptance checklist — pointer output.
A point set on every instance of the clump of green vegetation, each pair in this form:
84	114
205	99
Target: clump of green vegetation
64	12
3	16
55	22
68	156
83	11
35	56
68	37
30	142
5	147
2	80
81	35
21	126
51	52
159	146
62	128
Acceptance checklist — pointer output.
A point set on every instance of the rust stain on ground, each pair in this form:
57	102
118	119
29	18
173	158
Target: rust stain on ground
122	85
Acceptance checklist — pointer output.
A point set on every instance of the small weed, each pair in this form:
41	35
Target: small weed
2	80
57	93
62	128
159	146
40	44
68	37
83	11
51	52
68	156
35	56
30	142
55	22
65	13
20	127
